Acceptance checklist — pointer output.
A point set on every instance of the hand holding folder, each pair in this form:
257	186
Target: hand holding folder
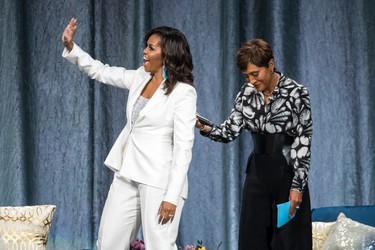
283	214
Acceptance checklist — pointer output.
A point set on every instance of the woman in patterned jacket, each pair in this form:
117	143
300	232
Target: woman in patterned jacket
276	110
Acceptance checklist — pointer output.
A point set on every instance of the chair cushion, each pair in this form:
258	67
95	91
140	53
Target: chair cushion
349	234
25	227
320	232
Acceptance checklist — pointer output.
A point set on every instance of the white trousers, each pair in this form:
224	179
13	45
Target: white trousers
128	206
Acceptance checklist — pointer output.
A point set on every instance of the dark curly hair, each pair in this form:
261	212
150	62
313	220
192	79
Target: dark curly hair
176	55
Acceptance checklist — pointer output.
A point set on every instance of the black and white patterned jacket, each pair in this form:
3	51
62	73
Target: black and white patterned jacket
287	112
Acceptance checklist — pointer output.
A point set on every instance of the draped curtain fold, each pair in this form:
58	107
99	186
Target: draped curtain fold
57	125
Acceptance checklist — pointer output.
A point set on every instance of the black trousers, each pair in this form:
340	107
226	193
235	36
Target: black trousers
267	184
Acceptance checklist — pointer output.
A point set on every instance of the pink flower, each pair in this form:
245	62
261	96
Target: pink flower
137	245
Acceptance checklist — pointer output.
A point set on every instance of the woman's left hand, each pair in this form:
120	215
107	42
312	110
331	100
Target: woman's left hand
166	212
295	198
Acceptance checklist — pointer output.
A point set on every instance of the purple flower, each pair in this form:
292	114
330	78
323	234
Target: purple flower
137	245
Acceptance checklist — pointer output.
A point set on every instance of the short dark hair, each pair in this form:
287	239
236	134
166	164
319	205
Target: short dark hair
176	56
255	51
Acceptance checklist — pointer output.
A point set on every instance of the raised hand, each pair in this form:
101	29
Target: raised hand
68	34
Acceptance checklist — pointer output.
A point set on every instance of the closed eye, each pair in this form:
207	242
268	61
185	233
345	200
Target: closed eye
255	74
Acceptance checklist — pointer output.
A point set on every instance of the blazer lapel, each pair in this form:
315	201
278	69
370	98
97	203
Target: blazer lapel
156	97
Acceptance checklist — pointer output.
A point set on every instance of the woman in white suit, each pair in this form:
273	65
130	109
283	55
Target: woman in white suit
151	156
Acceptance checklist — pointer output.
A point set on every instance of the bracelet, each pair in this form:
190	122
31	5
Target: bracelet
203	127
296	189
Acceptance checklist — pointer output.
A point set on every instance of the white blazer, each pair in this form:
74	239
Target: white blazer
156	150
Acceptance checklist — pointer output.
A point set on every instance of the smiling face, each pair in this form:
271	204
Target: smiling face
152	58
259	77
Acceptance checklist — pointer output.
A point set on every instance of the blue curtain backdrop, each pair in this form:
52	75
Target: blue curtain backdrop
57	125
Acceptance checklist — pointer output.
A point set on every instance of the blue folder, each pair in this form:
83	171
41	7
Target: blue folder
283	214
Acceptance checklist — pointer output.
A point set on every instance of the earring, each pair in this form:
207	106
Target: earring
165	72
